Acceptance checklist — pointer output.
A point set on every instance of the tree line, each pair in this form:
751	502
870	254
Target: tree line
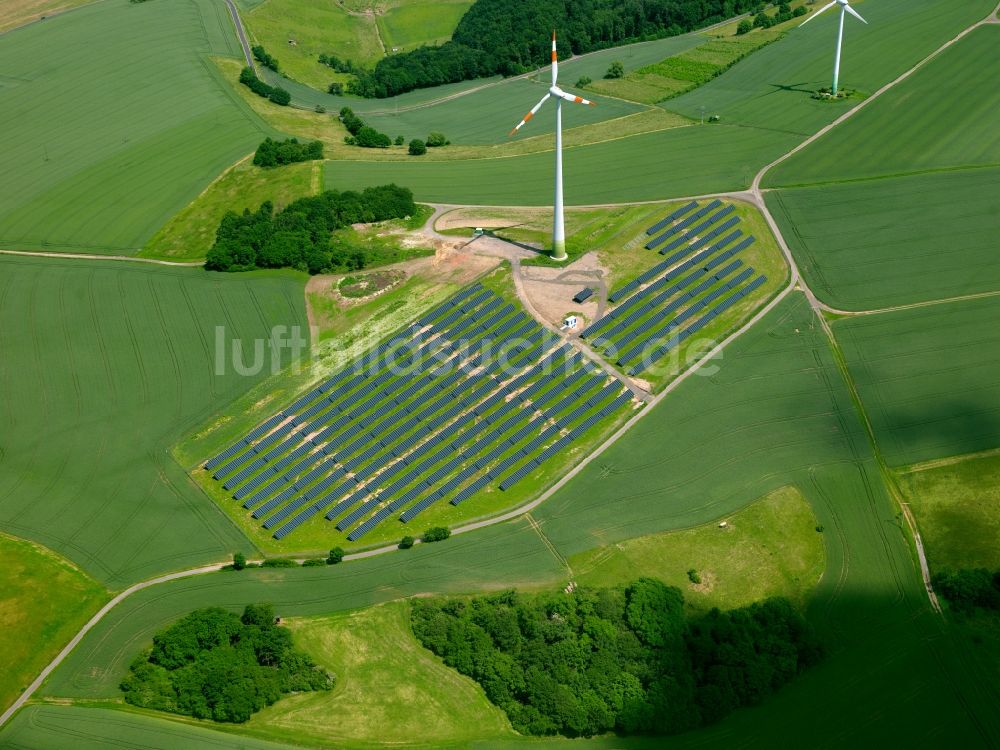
621	659
273	153
214	664
276	94
262	56
360	133
498	37
299	236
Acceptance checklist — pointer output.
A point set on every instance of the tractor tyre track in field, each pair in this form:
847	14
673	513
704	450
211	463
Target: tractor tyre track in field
795	283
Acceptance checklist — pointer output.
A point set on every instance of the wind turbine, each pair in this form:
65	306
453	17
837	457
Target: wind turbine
844	8
558	222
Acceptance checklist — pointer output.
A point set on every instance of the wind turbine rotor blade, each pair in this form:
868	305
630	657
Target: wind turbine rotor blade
555	59
529	115
854	13
824	8
571	98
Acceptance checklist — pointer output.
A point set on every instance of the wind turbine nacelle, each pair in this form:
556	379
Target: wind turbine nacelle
555	91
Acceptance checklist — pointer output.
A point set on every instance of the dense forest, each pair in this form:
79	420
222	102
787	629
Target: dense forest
623	659
299	236
508	38
214	664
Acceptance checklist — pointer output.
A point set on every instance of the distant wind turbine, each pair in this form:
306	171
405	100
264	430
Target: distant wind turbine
844	8
558	222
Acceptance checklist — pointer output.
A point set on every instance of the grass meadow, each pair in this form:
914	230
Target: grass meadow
407	24
190	234
927	377
390	689
105	366
316	28
45	601
102	144
770	548
957	505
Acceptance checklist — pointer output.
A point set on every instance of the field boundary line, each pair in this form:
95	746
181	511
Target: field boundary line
98	256
910	306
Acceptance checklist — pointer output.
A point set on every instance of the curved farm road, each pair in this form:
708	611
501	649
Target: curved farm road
795	282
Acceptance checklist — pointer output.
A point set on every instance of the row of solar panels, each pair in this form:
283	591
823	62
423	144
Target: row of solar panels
426	485
342	376
683	224
499	422
672	217
662	288
668	265
383	384
425	426
636	364
353	414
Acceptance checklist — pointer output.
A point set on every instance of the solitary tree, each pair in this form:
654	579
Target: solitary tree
336	555
417	147
615	70
239	561
746	25
406	542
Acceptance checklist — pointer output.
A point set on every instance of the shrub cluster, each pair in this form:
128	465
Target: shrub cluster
261	55
436	534
334	62
361	134
276	94
213	664
969	589
500	37
764	21
623	659
272	153
299	236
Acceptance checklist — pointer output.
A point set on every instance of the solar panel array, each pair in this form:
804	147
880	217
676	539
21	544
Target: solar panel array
702	275
447	421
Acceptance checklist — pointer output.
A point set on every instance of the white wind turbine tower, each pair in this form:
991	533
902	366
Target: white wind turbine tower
558	223
844	8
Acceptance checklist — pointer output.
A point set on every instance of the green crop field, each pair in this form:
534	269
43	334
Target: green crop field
103	143
896	241
957	505
105	366
45	601
82	728
770	548
927	377
389	689
412	23
676	162
190	234
945	116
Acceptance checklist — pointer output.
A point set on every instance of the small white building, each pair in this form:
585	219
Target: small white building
570	322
